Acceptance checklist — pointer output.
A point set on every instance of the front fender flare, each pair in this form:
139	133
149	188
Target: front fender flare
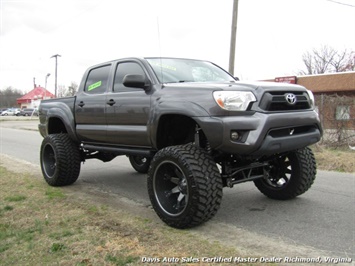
183	108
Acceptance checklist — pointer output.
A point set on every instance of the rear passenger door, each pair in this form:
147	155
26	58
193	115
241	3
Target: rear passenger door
127	116
91	103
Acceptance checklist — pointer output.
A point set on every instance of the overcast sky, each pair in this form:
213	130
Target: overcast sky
272	35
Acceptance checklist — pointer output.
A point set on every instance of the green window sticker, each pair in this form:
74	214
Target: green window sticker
94	86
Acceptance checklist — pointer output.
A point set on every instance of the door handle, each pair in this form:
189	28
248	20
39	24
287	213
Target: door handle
111	102
81	104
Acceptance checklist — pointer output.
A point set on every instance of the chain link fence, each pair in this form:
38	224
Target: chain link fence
337	114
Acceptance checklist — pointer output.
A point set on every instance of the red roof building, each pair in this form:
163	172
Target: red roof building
34	97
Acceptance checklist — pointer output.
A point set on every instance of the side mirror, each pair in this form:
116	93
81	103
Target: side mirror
135	81
236	78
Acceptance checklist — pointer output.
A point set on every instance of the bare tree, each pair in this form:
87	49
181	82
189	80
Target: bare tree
70	91
327	60
61	91
9	96
344	61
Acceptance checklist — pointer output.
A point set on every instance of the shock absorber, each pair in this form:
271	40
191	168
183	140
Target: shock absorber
201	140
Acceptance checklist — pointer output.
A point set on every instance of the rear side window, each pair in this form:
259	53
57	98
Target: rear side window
96	82
124	69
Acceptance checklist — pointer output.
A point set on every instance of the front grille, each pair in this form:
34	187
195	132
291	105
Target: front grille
276	101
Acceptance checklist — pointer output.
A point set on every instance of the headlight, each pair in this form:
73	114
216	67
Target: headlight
234	100
311	98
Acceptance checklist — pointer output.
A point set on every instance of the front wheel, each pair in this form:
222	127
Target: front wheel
289	175
60	160
184	186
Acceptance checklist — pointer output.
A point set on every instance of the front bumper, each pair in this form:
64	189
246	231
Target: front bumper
262	133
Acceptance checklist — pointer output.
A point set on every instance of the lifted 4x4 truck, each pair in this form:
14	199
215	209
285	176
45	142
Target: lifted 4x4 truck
188	124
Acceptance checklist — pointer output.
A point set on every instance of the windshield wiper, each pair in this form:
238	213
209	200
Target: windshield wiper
181	81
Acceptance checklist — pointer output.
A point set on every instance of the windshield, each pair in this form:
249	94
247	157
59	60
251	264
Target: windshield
173	70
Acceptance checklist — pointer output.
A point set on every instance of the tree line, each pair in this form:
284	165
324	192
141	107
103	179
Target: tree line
327	59
9	96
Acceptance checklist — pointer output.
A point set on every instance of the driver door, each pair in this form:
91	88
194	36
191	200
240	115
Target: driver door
127	116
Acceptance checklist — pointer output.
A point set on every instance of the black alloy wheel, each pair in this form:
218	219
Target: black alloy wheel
184	186
289	175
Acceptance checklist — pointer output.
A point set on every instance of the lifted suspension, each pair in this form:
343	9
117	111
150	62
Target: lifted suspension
247	173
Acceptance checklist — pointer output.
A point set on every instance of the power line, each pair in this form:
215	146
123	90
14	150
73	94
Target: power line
340	3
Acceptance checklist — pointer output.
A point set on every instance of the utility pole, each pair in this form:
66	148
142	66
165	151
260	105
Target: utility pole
55	77
233	37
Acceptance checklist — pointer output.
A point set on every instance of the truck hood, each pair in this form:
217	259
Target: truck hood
233	86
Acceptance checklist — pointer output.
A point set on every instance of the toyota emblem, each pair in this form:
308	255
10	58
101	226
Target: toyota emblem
291	98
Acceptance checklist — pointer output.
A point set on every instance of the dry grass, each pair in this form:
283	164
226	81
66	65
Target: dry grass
40	225
335	159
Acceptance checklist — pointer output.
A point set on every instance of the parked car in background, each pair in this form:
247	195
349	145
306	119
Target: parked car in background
11	111
17	111
29	112
7	112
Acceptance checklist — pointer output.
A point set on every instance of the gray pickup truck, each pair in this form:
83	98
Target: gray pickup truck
191	126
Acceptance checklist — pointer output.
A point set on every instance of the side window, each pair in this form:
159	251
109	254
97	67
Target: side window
96	82
122	70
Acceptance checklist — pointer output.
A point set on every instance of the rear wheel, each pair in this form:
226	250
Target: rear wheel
140	163
184	186
289	175
60	160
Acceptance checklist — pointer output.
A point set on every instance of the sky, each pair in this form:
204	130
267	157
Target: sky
271	37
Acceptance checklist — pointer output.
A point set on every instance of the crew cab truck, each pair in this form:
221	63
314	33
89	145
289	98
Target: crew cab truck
191	126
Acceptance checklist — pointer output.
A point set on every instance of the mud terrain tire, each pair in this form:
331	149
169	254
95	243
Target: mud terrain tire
290	175
184	186
60	160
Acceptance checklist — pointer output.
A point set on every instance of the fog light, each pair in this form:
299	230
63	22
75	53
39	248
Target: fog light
234	135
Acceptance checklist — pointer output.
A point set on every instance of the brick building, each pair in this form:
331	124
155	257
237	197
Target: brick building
335	97
342	83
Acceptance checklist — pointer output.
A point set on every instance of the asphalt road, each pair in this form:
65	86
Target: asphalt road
323	218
